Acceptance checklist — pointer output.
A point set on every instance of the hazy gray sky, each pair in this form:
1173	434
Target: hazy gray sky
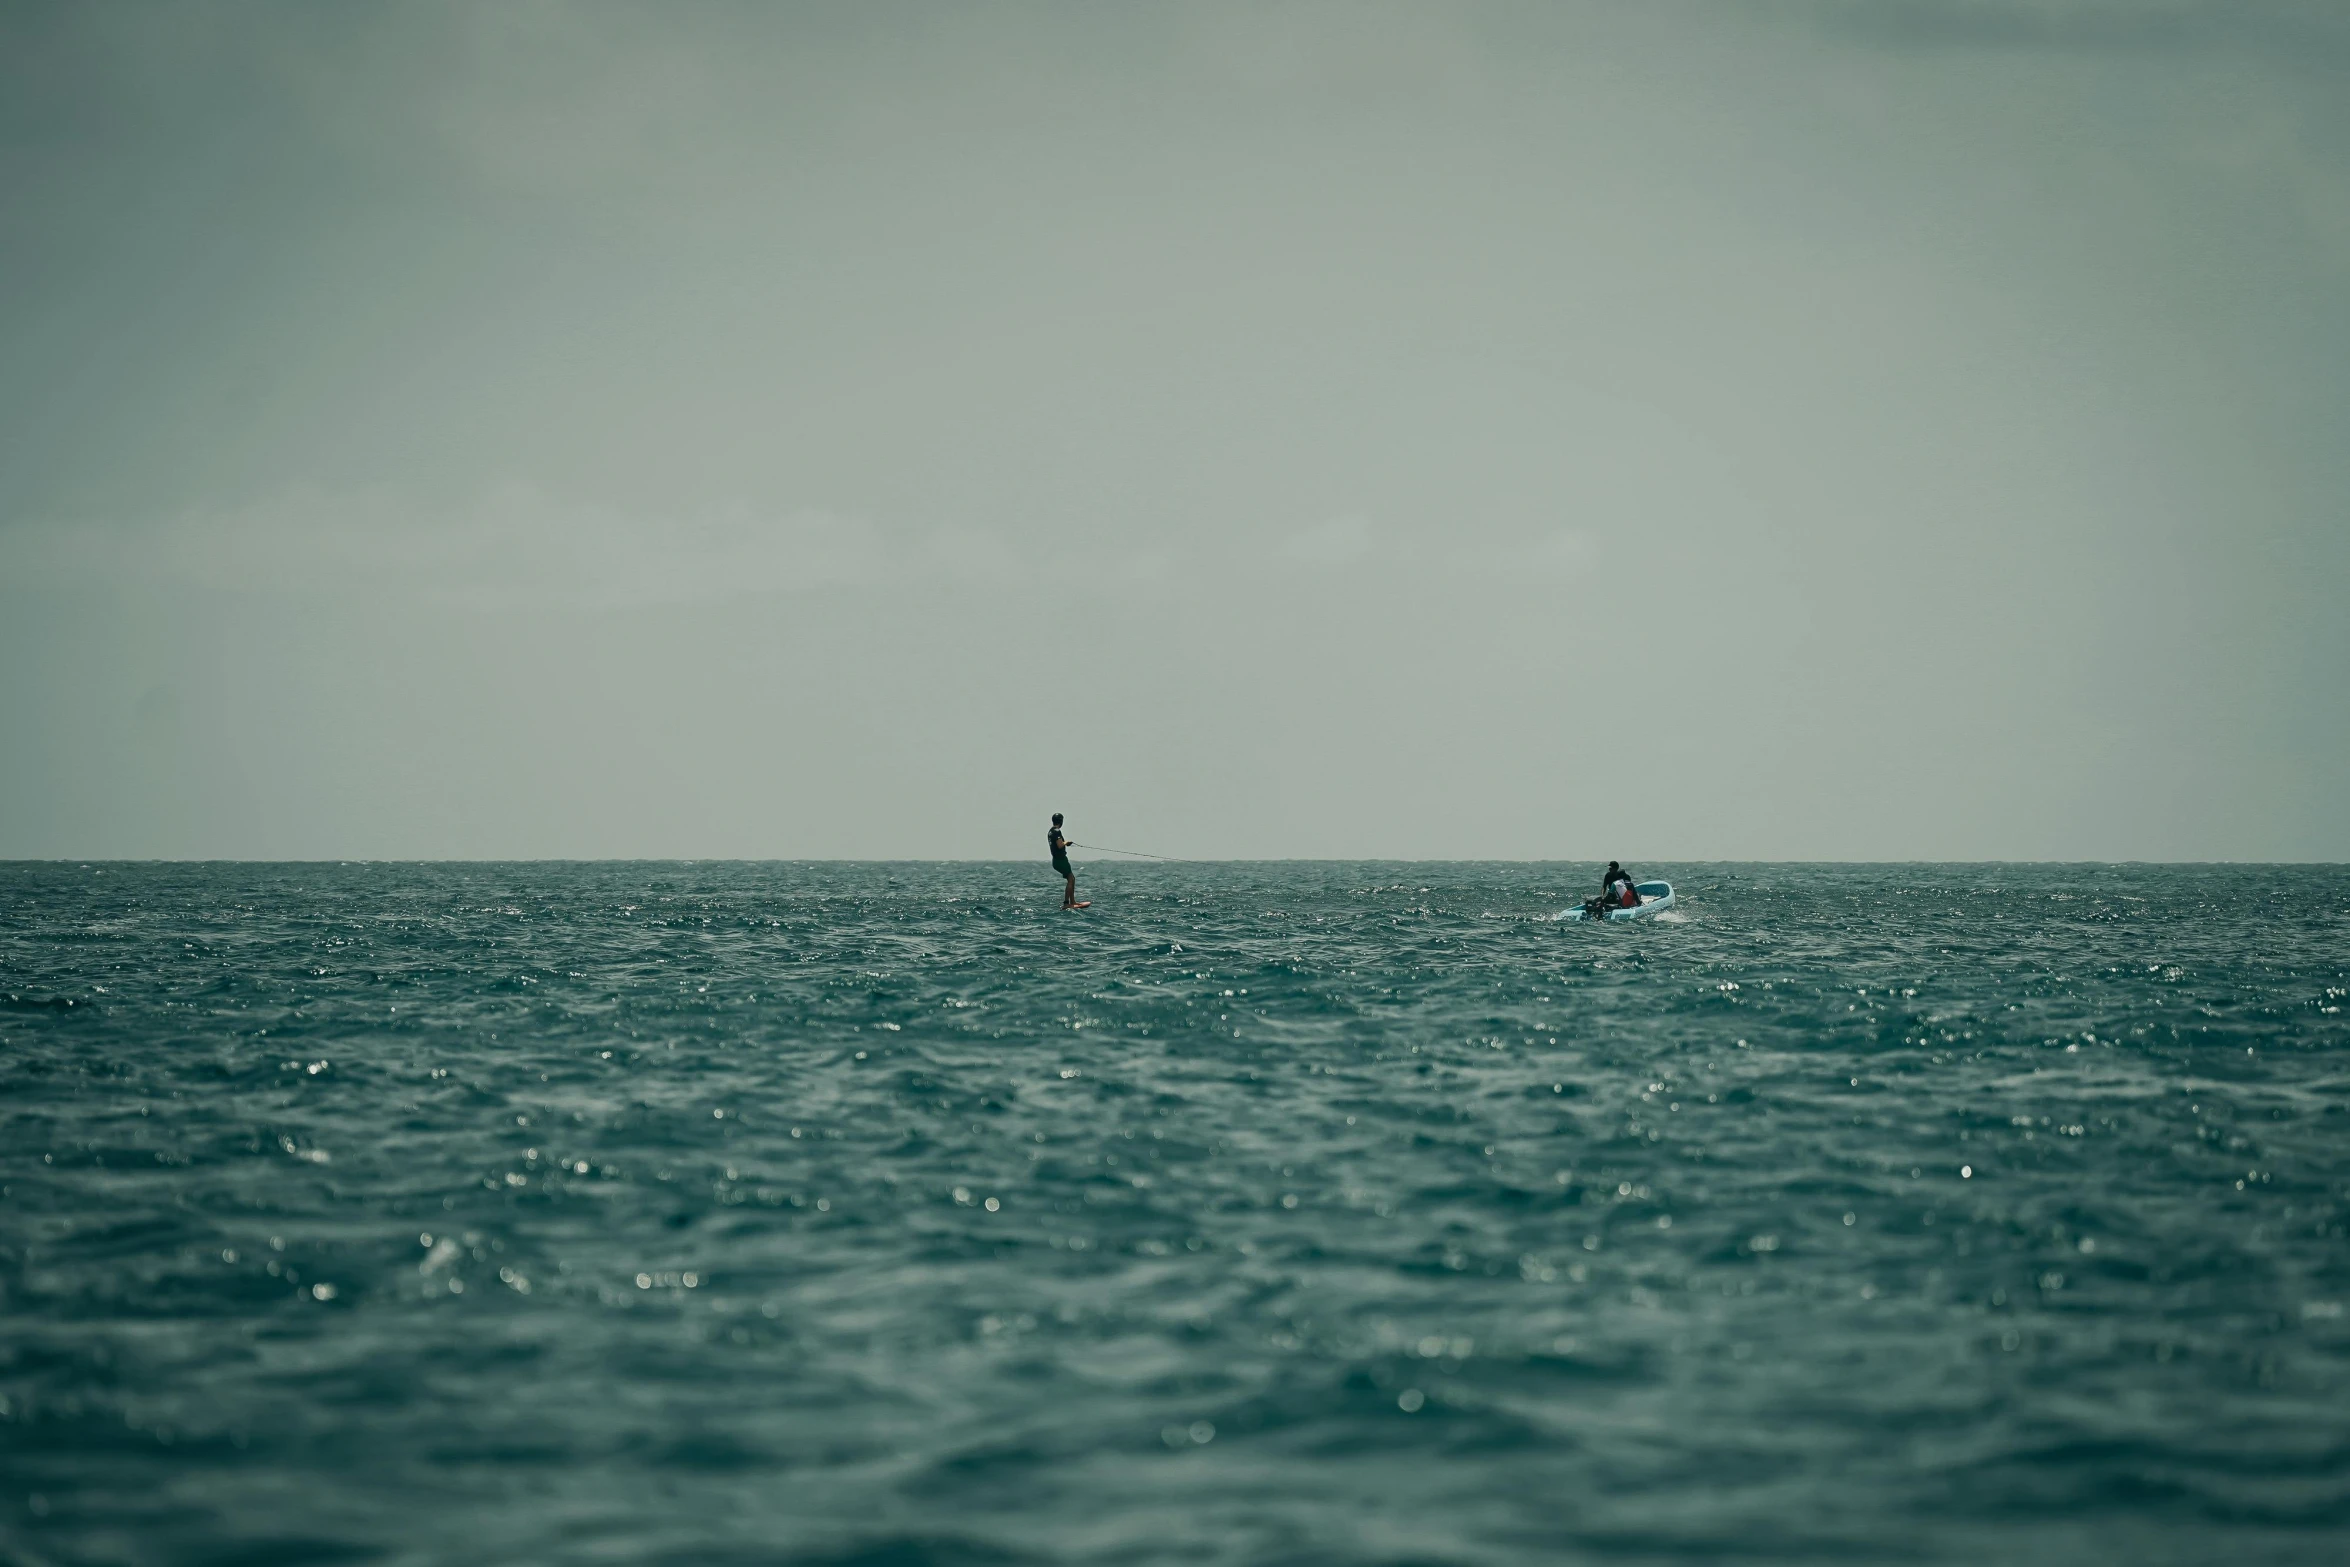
1915	429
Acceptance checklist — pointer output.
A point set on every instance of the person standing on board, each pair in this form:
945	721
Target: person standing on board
1628	897
1060	847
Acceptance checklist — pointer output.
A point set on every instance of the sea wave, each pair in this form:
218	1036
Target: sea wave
1260	1212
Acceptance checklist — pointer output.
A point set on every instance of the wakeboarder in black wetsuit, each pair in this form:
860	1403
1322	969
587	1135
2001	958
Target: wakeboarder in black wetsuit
1060	849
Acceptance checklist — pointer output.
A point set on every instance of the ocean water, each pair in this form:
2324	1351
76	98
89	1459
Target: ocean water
1263	1213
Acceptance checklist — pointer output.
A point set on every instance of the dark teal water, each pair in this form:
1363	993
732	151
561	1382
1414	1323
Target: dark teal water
1292	1213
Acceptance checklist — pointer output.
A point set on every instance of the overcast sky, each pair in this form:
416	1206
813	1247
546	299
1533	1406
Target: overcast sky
1905	430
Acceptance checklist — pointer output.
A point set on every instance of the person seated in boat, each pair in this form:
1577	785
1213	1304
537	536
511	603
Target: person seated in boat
1616	887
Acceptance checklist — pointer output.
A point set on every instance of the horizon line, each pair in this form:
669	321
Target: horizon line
85	861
